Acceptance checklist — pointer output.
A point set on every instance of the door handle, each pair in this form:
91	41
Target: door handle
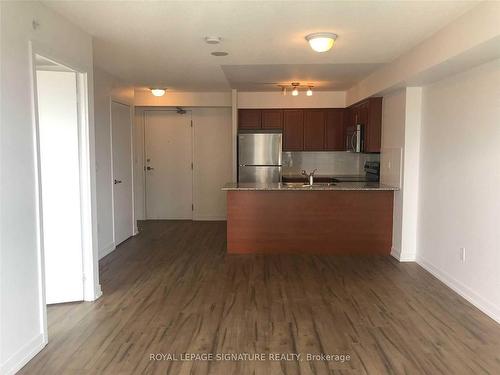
148	168
118	182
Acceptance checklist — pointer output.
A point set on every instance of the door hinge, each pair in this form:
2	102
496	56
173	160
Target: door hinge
192	167
191	123
192	207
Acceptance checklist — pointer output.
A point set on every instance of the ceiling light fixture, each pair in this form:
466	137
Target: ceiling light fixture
158	92
295	91
309	91
321	42
283	90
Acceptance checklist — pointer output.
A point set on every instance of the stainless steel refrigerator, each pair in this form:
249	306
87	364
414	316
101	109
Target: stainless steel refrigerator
259	157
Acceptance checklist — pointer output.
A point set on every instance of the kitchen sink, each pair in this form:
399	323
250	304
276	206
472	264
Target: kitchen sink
303	185
295	184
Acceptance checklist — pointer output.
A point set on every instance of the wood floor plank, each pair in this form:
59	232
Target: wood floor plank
173	289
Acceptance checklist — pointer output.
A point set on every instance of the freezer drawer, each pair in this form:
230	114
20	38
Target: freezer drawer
261	174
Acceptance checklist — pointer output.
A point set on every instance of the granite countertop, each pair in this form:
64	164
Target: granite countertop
247	186
332	178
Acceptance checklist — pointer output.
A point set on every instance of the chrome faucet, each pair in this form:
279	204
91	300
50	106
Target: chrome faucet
310	176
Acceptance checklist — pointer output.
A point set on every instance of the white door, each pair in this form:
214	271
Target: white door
60	185
121	135
169	174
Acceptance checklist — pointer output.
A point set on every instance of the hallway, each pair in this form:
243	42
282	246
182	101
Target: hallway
172	289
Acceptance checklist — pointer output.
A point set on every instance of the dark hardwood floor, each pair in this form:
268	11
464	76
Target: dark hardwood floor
172	289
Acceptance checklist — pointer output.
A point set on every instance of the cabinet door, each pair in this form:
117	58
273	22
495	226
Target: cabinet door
293	130
272	119
249	119
314	129
334	132
373	132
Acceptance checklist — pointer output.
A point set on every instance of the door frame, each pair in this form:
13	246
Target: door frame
112	100
168	109
90	273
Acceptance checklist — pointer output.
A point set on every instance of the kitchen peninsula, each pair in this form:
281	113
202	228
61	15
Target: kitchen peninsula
343	218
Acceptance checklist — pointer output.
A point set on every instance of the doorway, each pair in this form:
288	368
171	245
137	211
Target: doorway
59	164
169	164
65	170
123	196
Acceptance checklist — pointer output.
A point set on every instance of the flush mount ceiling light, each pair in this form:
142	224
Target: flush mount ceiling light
321	42
158	92
309	91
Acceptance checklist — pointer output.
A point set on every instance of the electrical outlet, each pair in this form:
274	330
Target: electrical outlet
462	254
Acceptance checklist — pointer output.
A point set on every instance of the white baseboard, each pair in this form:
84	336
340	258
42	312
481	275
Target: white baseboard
209	218
106	250
477	300
395	253
23	356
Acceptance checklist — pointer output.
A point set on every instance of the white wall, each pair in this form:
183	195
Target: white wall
212	161
399	161
106	87
103	86
183	99
471	39
21	318
274	99
391	157
139	192
459	204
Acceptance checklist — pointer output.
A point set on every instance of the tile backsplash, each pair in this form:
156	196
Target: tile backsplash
327	163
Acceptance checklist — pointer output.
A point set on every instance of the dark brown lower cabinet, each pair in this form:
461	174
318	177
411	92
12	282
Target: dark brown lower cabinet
310	222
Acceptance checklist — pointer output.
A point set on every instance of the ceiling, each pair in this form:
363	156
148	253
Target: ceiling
160	43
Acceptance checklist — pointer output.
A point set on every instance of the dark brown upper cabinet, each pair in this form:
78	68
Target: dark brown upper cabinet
272	119
334	129
369	114
249	119
314	129
293	130
373	137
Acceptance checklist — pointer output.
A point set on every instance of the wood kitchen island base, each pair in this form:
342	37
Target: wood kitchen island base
337	222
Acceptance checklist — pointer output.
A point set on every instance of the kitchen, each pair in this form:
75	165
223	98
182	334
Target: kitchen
309	182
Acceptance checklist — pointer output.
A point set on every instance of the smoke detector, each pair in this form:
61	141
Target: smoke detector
212	39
